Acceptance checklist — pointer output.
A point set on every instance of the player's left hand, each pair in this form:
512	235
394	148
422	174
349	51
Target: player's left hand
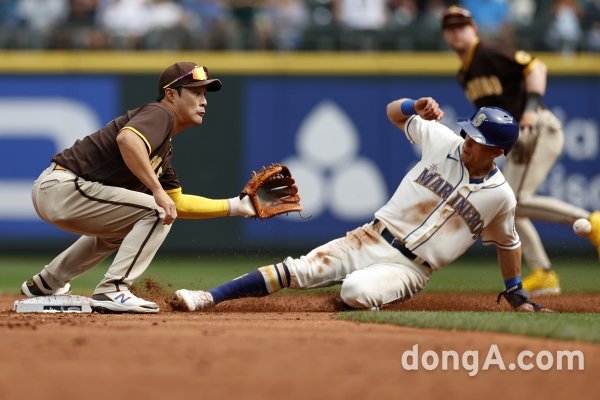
429	109
532	307
518	298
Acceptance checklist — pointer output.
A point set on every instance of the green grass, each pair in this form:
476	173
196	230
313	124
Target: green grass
475	275
467	275
176	272
580	327
577	275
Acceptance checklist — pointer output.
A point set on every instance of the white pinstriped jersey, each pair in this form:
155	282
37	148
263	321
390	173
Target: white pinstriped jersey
438	211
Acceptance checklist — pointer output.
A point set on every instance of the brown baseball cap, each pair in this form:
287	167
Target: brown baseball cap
187	74
456	15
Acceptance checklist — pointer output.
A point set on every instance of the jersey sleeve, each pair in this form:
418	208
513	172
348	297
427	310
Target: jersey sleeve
511	59
501	231
152	124
428	133
169	179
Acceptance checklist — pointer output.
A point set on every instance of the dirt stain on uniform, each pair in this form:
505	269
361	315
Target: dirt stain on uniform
455	222
420	211
324	259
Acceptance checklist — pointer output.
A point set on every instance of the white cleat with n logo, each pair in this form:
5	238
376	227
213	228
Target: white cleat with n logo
122	302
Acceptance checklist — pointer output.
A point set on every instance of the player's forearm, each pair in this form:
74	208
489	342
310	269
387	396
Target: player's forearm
198	207
135	155
535	81
395	113
510	262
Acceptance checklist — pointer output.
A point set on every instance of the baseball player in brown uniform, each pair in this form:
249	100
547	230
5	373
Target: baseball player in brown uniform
497	75
118	189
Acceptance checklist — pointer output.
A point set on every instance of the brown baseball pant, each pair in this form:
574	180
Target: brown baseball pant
108	218
526	176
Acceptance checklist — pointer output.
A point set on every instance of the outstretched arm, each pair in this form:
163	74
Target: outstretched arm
398	111
510	262
510	265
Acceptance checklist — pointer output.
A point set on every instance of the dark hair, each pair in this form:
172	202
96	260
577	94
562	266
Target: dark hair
162	96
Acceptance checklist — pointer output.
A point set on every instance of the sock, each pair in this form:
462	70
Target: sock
258	283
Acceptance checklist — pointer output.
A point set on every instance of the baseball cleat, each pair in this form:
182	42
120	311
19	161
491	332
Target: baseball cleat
594	235
542	283
37	286
121	302
192	300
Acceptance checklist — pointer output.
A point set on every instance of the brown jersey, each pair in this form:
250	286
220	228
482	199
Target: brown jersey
494	75
97	156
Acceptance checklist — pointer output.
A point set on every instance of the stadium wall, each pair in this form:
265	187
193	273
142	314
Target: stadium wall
322	113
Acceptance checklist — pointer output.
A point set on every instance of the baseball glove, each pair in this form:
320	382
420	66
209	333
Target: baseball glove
273	191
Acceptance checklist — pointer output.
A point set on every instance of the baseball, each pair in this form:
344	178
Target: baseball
582	227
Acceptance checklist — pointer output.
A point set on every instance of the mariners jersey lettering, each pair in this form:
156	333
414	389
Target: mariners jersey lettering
438	210
493	76
434	182
97	157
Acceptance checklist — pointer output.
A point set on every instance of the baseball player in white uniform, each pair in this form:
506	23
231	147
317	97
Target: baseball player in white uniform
453	196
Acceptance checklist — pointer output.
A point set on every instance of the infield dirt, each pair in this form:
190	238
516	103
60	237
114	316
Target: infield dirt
281	347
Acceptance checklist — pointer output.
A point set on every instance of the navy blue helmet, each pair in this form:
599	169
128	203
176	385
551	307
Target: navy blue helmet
492	126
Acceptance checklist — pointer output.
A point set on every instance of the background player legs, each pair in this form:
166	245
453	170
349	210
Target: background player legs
543	208
533	250
525	177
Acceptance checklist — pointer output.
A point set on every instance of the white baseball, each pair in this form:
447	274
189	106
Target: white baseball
582	227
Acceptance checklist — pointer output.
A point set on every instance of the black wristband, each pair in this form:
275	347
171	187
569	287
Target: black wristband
533	101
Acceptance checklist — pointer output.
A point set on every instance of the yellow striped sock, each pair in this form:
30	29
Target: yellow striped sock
276	277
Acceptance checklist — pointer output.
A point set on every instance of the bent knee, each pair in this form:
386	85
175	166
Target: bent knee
355	295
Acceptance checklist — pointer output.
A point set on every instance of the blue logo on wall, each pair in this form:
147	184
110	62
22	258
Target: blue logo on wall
348	158
40	116
333	134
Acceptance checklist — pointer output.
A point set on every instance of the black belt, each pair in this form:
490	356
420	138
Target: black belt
391	239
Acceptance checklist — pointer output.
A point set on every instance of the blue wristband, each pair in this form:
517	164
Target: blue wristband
408	107
509	283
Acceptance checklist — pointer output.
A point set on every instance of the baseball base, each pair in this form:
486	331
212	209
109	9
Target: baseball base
54	304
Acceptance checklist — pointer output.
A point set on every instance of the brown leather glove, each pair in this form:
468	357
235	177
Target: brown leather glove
273	191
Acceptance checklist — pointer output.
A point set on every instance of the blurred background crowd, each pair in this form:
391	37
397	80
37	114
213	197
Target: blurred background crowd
566	26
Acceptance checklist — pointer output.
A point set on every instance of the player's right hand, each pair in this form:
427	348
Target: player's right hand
168	205
429	109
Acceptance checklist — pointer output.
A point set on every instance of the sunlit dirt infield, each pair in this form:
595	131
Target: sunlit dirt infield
281	347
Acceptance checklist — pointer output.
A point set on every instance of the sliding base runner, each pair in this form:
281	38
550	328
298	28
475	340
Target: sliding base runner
54	304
